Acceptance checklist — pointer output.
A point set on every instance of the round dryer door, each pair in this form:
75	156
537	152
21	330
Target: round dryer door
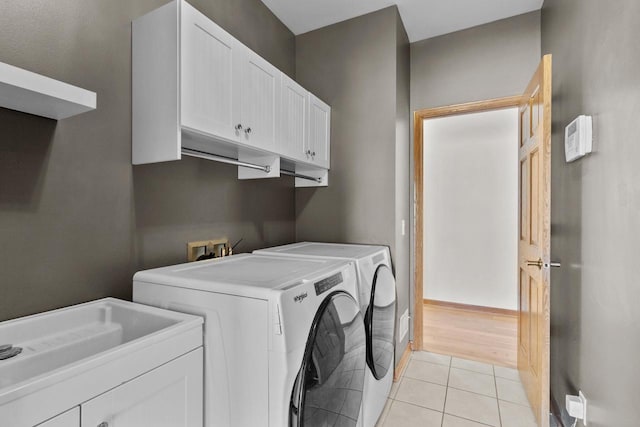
329	386
380	322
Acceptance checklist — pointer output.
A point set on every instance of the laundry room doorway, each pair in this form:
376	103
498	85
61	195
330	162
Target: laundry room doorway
482	233
470	216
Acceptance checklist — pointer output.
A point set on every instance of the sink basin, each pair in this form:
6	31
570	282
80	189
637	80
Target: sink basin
82	344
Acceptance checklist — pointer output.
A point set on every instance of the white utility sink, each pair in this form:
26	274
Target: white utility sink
61	346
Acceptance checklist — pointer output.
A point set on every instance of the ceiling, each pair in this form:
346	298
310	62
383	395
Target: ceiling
422	18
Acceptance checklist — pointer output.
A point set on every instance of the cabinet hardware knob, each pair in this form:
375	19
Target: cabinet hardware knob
103	424
313	154
238	126
308	152
247	131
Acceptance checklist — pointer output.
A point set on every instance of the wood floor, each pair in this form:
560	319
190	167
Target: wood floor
471	333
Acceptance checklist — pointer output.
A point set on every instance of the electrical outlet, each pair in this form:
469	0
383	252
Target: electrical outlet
215	246
404	324
577	407
584	403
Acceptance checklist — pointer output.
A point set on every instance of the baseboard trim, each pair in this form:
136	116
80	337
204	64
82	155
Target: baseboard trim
470	307
404	359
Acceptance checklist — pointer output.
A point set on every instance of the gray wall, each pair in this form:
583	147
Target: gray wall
595	331
352	65
76	219
402	173
484	62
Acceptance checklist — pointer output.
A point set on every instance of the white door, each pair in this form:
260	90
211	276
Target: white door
319	132
260	105
71	418
168	396
292	140
209	81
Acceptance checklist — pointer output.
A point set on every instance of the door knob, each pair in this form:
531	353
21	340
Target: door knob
238	126
537	263
540	264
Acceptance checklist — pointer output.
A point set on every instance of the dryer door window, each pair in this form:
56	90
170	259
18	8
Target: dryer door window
380	322
328	389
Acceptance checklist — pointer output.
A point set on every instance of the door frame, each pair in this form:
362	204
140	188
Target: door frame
418	187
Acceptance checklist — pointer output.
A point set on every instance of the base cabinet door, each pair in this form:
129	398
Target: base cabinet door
168	396
71	418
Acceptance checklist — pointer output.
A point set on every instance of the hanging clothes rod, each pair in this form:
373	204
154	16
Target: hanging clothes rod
221	159
298	175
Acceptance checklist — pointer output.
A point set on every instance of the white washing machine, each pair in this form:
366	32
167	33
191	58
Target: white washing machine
377	299
285	341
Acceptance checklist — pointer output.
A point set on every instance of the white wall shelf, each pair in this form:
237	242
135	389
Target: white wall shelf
33	93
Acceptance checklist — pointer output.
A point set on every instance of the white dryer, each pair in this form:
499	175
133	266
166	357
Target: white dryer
377	300
284	337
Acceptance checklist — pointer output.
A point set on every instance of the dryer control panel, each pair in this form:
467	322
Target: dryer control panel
330	282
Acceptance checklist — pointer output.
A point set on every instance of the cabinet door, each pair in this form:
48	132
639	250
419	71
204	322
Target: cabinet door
292	140
260	106
209	82
319	131
71	418
168	396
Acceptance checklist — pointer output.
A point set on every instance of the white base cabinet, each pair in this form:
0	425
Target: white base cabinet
168	396
171	396
196	87
71	418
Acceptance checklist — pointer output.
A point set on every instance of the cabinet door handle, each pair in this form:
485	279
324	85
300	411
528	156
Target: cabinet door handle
238	126
247	131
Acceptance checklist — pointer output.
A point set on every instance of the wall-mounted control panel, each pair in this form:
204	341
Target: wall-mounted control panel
578	138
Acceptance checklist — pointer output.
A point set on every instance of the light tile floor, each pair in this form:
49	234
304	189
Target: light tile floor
444	391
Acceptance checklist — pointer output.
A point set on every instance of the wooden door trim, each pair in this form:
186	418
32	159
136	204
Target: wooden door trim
418	180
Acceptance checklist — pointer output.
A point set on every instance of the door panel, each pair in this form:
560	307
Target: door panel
71	418
293	126
261	85
319	131
168	396
534	198
524	191
535	239
209	84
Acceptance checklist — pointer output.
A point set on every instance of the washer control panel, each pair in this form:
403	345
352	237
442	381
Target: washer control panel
325	284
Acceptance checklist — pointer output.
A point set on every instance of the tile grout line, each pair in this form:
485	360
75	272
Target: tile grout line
446	392
495	382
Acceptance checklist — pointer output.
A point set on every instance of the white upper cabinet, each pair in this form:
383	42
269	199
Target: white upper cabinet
198	91
260	96
210	84
292	141
318	146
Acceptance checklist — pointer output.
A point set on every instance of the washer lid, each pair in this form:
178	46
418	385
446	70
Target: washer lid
329	387
330	250
380	322
241	274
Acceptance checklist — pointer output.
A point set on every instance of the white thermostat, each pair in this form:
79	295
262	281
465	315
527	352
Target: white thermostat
578	138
